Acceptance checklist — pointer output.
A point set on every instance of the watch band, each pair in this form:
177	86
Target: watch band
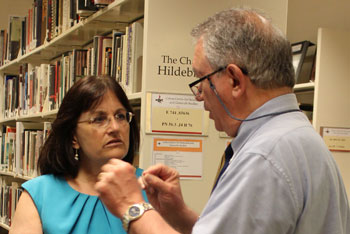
134	212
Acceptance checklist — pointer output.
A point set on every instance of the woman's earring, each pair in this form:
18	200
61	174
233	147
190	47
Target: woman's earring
76	155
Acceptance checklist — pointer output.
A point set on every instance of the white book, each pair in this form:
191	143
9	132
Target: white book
47	129
38	88
2	99
20	144
38	145
44	96
26	152
1	151
125	60
65	15
31	155
14	187
135	75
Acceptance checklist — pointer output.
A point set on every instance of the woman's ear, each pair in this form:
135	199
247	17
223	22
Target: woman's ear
237	79
75	143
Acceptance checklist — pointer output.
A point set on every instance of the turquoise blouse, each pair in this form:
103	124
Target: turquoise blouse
64	210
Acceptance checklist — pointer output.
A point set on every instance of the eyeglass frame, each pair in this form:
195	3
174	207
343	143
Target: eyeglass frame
244	71
128	113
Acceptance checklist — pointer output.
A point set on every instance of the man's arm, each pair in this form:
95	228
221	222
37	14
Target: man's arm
118	189
163	190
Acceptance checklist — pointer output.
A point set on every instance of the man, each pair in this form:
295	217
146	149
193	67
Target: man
279	176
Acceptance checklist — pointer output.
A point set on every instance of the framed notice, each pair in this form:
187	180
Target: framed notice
183	154
337	139
175	114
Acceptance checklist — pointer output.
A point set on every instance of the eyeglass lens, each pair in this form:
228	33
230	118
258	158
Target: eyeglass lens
104	121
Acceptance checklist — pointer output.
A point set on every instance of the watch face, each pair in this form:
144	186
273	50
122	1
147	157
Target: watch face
134	211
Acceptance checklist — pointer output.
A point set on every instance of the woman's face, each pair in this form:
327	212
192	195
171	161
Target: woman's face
98	142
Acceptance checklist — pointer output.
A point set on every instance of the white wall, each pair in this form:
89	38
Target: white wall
306	16
12	7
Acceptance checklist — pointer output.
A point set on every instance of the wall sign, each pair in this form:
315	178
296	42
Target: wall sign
176	113
337	139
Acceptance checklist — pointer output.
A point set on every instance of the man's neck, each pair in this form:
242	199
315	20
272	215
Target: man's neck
257	97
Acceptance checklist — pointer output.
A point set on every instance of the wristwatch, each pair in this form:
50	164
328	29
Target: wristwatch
134	212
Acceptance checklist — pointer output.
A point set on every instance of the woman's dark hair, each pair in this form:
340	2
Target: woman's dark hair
57	154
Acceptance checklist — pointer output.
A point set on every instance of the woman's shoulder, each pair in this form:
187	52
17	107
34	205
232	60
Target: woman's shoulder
42	182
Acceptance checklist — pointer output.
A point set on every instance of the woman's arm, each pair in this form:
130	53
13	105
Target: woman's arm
26	218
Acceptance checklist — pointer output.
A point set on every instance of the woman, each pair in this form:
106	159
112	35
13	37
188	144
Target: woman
94	124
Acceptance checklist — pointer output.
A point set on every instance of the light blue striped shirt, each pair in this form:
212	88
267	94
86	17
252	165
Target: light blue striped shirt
282	180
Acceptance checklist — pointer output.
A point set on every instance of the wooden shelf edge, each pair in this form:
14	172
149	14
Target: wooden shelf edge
15	176
5	226
304	86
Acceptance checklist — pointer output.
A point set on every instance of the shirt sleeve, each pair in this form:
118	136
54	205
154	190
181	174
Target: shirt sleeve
253	196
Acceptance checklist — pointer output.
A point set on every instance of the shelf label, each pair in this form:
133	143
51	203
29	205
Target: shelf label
183	154
337	139
176	113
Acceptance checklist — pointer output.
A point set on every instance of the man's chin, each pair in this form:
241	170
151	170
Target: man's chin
218	126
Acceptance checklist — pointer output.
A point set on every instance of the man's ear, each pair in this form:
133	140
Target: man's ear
75	143
238	80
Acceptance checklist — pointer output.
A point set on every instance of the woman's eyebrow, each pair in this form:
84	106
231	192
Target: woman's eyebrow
99	111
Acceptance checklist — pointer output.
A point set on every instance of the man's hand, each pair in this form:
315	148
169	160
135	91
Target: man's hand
163	190
118	186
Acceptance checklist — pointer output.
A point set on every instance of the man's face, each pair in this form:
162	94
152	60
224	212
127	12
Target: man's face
201	68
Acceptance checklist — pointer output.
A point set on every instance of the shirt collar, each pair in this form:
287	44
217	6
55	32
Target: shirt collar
278	104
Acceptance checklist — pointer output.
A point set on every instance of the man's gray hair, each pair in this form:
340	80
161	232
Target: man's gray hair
249	40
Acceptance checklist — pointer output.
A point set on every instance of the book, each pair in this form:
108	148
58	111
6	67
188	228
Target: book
102	3
39	139
44	14
104	53
132	58
3	38
44	86
38	7
66	15
31	155
14	39
23	41
2	149
100	43
79	64
47	130
85	8
51	87
73	16
116	45
9	150
48	32
135	75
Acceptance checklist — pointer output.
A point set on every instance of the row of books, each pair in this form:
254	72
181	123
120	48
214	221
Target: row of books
20	147
39	89
120	56
9	195
45	20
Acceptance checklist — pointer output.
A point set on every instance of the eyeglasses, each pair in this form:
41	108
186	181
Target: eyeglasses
194	86
103	121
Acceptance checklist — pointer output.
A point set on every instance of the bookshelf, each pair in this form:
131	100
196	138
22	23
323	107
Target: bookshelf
167	34
115	16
